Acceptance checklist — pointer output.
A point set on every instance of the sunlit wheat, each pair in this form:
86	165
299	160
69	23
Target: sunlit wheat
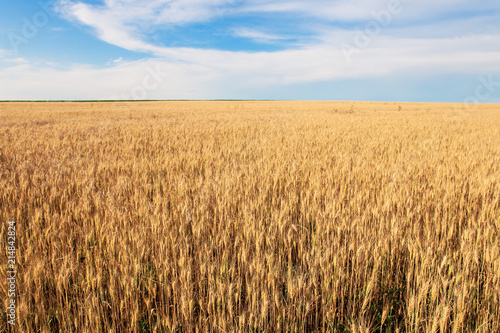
252	216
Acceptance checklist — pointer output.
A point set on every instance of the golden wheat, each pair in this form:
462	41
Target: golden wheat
252	216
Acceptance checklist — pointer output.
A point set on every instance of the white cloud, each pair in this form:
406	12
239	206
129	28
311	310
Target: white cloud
122	22
123	81
127	23
257	35
10	58
18	60
5	53
360	10
111	26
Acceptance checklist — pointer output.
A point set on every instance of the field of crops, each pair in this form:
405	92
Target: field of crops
251	216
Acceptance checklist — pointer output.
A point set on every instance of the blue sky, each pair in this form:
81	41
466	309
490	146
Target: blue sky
380	50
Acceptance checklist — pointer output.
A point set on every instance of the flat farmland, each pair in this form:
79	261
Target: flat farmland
251	216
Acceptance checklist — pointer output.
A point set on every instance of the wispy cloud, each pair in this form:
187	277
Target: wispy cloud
259	36
4	53
17	60
361	10
126	23
9	58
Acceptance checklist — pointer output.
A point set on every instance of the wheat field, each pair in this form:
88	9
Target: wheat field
251	216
